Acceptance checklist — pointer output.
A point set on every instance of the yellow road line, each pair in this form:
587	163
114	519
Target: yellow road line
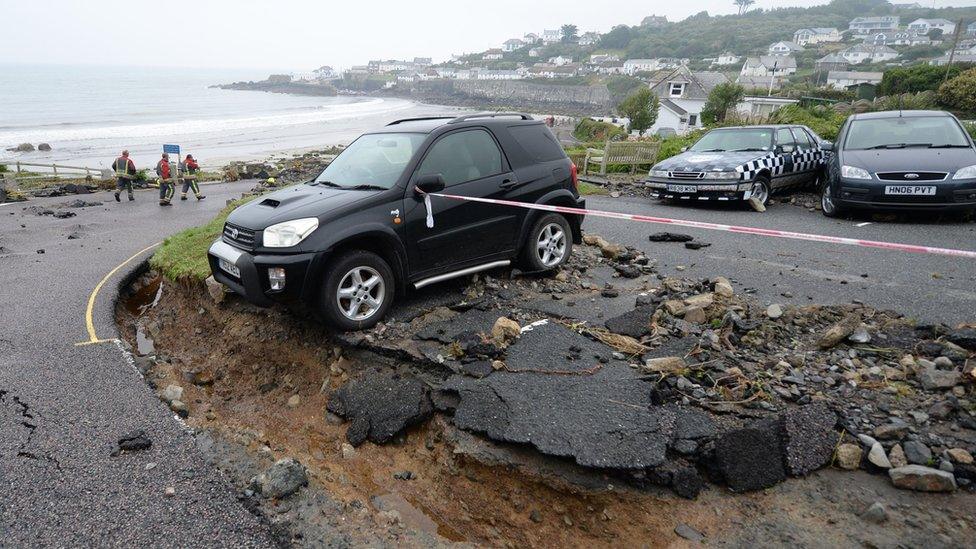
92	338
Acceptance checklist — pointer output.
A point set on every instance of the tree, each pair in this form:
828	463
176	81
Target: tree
721	99
959	94
743	5
917	78
641	108
935	35
570	33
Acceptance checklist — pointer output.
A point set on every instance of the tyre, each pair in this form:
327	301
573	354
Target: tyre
761	189
359	289
549	244
827	204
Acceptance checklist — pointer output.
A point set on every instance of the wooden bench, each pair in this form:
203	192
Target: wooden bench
627	153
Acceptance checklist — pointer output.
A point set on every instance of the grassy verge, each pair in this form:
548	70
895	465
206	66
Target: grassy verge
183	256
589	189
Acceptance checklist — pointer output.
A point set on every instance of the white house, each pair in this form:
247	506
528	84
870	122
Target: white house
898	38
530	38
865	53
512	44
493	54
560	60
769	65
784	48
759	82
589	38
682	94
958	58
816	35
632	66
923	26
535	52
761	106
598	58
868	25
727	58
844	79
498	75
550	36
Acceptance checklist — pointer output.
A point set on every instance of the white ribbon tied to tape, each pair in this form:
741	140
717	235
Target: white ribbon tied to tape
430	211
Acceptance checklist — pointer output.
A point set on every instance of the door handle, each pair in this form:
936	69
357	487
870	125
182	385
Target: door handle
508	183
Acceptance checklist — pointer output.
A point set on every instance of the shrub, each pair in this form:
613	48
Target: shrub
3	168
595	130
722	98
917	78
825	122
641	108
959	94
672	146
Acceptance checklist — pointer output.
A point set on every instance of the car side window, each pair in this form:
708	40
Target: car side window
463	156
784	138
803	139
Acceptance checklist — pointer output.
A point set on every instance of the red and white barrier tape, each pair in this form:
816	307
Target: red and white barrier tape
704	225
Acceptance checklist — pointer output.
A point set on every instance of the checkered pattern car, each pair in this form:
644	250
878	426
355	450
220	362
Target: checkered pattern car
731	175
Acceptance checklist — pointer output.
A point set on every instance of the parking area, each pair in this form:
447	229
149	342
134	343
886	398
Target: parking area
930	288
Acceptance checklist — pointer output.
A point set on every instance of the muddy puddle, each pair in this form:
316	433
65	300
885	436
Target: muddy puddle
259	381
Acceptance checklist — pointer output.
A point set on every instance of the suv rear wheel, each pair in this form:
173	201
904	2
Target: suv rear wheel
549	245
359	288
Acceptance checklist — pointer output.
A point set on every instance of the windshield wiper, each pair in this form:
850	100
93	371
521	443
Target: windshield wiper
948	146
711	151
899	146
327	184
751	149
365	187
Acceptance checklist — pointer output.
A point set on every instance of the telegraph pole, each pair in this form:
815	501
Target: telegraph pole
952	52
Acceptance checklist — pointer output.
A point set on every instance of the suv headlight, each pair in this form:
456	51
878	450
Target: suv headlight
969	172
850	172
721	175
659	173
289	233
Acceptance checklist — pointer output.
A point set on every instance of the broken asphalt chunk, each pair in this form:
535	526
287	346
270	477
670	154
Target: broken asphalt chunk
380	406
133	442
670	237
808	437
751	458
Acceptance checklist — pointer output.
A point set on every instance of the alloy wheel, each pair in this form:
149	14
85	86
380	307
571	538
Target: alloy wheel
361	292
551	245
760	191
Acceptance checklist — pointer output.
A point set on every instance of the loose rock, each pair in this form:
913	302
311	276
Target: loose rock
284	478
849	456
922	479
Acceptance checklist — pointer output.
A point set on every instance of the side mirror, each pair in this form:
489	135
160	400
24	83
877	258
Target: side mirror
430	183
778	149
826	146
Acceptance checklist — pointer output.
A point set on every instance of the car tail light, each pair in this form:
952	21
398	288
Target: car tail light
574	173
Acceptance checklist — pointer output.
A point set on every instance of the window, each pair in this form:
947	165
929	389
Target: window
373	159
802	138
693	120
784	138
900	132
677	89
739	139
538	142
463	156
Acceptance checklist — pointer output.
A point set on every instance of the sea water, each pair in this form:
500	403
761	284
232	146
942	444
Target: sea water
88	114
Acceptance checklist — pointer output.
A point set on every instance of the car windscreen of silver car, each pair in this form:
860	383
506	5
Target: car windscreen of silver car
903	132
374	159
751	139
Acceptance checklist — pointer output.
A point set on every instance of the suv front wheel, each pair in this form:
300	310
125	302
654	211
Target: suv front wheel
359	288
549	244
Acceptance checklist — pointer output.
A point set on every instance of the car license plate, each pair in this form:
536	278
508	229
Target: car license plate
230	268
682	189
910	190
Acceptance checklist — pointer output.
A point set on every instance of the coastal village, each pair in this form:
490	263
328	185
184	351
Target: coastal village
826	62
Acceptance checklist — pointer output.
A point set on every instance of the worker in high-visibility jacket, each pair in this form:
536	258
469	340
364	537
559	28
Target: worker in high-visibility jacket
190	169
125	174
166	174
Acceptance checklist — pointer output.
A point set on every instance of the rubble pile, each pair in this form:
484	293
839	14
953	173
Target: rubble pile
677	381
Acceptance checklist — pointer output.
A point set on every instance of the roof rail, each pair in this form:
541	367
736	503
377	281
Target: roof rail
416	118
466	117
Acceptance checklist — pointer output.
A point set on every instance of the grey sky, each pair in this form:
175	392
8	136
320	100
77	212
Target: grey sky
302	35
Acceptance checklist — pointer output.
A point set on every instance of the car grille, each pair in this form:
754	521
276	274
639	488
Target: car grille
922	176
239	236
686	175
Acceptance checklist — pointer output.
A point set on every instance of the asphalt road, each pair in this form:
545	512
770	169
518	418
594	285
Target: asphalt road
930	288
63	407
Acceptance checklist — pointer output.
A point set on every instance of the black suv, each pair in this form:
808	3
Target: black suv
357	235
897	160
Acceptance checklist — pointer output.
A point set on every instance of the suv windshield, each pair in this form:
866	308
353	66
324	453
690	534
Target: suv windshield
373	161
750	139
901	132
